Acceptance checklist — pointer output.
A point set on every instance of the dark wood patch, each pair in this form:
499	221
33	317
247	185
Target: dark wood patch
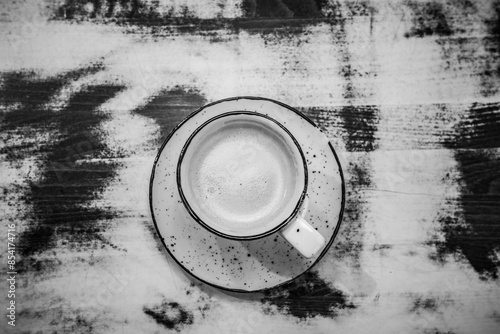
259	16
474	232
479	128
360	123
286	8
473	229
424	303
307	297
490	78
171	107
28	95
61	196
170	314
429	19
135	9
359	8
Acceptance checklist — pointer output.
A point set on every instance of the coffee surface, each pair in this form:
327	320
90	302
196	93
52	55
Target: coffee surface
242	176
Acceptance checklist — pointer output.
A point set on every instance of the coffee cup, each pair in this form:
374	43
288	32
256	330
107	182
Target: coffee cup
243	176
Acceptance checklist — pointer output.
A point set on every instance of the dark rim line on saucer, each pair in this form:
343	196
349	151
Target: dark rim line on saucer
246	237
194	113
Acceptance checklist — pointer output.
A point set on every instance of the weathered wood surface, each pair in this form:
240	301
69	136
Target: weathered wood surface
408	91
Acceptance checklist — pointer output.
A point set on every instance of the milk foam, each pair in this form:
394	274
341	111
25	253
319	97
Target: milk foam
242	176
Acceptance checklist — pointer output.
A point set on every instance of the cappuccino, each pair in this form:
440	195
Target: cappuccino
241	174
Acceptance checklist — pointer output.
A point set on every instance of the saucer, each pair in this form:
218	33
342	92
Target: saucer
254	265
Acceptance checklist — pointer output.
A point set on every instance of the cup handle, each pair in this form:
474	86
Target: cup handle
301	235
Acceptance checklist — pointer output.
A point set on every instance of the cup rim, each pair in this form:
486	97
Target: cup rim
215	231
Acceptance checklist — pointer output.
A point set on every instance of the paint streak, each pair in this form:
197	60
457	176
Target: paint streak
478	236
474	51
307	297
140	9
282	18
426	307
283	8
429	19
360	122
257	16
490	78
349	241
277	28
479	128
271	8
61	198
475	232
171	107
80	9
359	8
70	320
170	314
493	23
142	12
422	303
28	94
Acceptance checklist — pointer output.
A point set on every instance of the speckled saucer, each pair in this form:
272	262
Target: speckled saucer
255	265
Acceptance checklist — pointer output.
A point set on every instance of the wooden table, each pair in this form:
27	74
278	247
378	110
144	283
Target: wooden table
408	92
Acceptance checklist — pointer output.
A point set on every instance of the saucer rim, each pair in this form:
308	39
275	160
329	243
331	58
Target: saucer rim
261	235
193	114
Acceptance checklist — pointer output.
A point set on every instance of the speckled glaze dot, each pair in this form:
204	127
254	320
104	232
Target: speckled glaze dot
246	265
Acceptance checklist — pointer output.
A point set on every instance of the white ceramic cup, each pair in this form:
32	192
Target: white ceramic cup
243	176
